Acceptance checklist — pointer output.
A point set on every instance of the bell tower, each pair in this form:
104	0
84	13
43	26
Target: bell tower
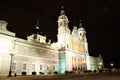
63	30
63	40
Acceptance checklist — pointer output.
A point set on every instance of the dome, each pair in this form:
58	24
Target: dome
81	29
75	27
3	21
63	17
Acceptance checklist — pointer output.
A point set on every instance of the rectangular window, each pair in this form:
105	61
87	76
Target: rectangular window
61	45
47	67
53	67
41	52
34	51
53	55
67	46
40	67
44	53
24	66
25	50
14	66
33	66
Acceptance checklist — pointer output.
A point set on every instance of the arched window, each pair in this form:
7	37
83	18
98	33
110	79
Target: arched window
60	23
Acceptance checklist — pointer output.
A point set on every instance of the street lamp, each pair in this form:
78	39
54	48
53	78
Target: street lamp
100	64
11	61
112	64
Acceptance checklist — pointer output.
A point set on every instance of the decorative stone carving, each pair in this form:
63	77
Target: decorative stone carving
3	25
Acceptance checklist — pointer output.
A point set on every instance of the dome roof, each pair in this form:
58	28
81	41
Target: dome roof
81	29
81	26
62	17
75	27
3	21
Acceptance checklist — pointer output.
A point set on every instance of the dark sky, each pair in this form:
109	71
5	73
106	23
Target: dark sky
99	17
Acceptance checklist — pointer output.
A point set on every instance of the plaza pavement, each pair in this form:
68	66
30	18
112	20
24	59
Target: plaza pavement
92	76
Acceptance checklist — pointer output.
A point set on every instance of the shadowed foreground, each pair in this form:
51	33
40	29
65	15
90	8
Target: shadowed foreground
102	76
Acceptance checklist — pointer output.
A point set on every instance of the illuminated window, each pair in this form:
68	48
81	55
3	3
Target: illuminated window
24	66
60	23
80	34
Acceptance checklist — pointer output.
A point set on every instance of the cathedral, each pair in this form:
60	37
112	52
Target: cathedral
69	53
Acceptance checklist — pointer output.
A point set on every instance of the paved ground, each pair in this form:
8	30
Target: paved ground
108	76
103	76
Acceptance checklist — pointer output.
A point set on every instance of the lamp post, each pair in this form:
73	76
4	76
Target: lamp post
100	64
111	66
100	67
11	62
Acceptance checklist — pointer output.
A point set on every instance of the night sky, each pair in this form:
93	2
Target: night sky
99	18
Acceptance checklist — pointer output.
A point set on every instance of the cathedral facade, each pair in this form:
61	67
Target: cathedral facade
69	53
73	47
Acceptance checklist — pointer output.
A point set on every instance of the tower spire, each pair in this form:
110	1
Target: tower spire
62	11
37	25
80	25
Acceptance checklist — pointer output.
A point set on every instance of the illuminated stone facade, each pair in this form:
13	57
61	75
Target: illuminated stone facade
69	53
32	55
72	46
